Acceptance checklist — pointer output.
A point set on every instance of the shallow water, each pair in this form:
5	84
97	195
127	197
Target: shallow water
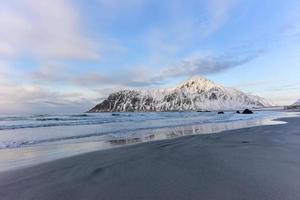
32	139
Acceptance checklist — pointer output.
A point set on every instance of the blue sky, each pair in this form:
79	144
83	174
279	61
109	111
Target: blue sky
67	55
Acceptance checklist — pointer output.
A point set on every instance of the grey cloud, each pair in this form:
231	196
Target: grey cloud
144	77
36	99
126	79
208	65
202	65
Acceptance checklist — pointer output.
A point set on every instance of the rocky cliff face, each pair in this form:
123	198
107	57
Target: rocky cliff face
195	94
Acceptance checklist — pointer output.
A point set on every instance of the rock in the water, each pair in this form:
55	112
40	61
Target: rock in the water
247	111
238	112
221	112
245	142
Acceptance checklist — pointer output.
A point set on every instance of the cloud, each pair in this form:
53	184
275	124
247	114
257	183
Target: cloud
284	97
218	13
50	72
31	98
185	24
142	76
4	71
17	95
50	32
93	80
49	29
113	8
207	65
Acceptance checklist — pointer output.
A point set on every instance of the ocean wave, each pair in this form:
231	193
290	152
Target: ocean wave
81	115
39	121
118	133
37	131
22	126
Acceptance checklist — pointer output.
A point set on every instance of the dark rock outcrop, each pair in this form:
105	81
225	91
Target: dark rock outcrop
247	111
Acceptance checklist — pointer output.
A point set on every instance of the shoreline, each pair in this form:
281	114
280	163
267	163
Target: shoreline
28	156
250	163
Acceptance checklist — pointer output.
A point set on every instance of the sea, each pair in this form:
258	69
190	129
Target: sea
27	140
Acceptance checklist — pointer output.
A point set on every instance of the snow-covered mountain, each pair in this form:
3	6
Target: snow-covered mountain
195	94
297	103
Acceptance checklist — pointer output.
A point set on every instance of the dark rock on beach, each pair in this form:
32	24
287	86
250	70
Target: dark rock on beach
247	111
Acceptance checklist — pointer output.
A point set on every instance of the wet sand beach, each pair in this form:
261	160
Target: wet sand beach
251	163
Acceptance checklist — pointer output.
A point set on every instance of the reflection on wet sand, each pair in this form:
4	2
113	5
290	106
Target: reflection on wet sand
174	132
123	141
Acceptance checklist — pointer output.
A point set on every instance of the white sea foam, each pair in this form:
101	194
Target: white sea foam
22	131
29	140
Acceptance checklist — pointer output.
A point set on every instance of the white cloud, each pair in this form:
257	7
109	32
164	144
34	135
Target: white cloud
113	8
52	29
218	12
31	98
141	76
208	64
3	71
184	25
48	29
17	95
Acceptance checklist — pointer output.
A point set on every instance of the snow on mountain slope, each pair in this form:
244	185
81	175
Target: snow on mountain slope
297	103
196	94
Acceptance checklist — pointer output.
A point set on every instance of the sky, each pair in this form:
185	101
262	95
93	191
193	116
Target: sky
61	56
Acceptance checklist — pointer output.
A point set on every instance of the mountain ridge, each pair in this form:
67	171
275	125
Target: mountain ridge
297	103
194	94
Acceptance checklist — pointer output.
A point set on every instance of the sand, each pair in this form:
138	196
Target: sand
252	163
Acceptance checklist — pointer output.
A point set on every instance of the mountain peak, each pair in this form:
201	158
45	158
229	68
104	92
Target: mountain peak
197	79
196	93
198	83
